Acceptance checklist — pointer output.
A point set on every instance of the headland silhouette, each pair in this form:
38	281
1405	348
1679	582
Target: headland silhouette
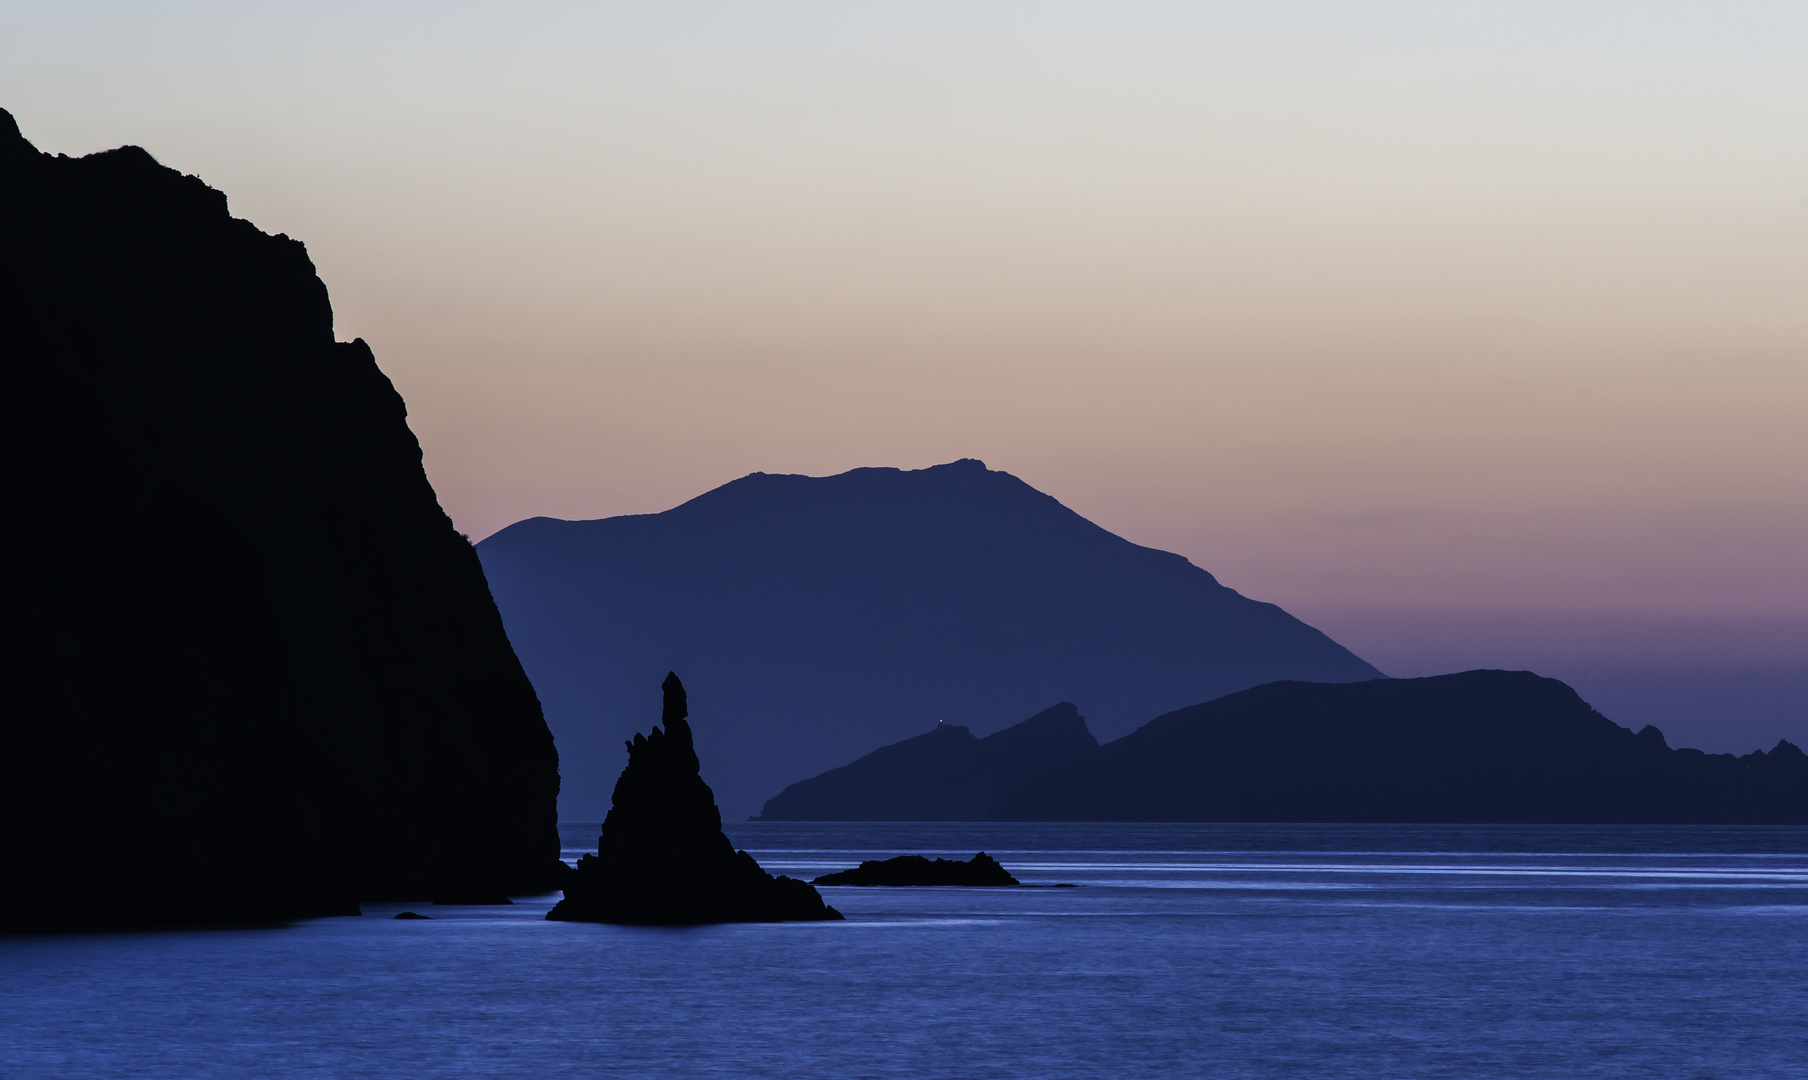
248	669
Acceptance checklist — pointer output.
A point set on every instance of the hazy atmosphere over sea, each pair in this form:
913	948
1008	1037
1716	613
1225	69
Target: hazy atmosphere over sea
1472	334
916	539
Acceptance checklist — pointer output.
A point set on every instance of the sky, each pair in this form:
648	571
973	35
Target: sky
1474	333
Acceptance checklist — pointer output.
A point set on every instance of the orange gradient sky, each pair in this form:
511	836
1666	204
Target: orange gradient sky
1423	305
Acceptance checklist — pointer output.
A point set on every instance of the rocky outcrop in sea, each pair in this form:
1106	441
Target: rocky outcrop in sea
663	858
980	870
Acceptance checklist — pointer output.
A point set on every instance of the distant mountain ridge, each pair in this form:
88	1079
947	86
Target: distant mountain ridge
944	775
822	616
1479	746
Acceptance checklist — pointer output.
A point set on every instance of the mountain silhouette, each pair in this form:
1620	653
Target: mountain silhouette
829	615
944	775
1479	746
248	669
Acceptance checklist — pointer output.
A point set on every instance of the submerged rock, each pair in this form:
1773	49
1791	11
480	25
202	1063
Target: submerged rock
981	869
411	915
663	859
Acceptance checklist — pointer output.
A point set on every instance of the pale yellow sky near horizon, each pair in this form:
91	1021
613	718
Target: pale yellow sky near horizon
1390	304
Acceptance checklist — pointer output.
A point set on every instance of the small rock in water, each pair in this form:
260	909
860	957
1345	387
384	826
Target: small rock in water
981	869
411	915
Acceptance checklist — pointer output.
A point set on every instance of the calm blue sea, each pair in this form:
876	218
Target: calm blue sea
1186	950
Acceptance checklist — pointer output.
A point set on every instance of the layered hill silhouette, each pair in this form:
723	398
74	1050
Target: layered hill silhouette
827	615
944	775
1480	746
248	669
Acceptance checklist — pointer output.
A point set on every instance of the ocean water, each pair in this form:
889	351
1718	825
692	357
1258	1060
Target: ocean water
1185	950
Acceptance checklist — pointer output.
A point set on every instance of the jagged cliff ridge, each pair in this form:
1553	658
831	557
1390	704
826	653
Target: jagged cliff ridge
944	775
833	614
248	669
1480	746
663	858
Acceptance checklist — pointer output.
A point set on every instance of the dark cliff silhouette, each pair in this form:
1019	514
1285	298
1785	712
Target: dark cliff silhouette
663	859
1480	746
829	615
248	669
905	870
945	775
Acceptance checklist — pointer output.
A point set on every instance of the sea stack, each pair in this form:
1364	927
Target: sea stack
663	858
